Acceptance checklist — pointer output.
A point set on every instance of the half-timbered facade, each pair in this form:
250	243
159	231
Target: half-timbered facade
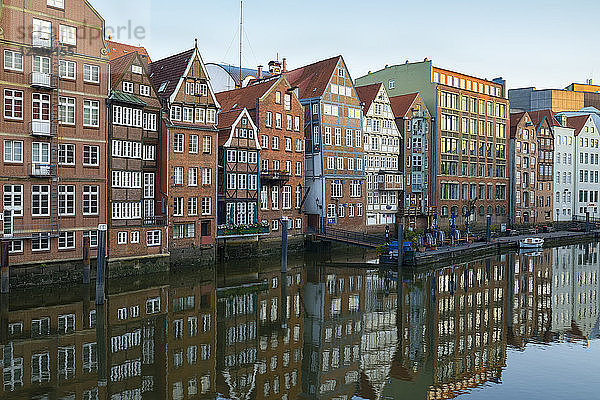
238	177
381	143
136	215
279	116
190	145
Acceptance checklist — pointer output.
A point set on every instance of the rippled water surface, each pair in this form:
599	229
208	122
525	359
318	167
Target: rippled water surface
509	327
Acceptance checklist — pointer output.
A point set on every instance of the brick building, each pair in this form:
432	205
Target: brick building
335	177
470	141
54	83
237	209
278	114
414	122
545	123
134	112
188	148
381	145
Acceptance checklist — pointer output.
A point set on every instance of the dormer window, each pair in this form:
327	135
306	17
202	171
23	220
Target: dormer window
136	69
189	88
163	86
391	84
128	87
340	71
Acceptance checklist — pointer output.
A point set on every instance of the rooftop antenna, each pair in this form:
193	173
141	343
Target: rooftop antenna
241	32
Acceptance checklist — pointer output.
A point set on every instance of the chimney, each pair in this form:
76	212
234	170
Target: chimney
284	66
589	81
260	72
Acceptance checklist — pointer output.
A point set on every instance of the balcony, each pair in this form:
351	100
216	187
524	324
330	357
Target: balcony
41	40
39	170
390	181
275	176
42	80
42	128
158	220
18	230
240	231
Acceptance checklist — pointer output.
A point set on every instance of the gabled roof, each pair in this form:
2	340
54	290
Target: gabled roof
167	72
245	97
228	118
312	79
367	95
515	118
402	104
118	66
537	117
577	122
117	50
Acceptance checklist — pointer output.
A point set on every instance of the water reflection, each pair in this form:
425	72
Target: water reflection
312	332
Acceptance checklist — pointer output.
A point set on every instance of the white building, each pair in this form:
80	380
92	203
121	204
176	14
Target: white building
564	150
382	152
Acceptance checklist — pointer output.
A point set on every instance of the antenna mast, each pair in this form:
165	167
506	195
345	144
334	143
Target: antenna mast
241	33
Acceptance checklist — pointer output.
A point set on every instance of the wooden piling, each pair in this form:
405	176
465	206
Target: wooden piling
86	260
5	267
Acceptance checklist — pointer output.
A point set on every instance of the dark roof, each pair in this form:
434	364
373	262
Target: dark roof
401	104
367	94
577	122
537	117
515	119
245	97
118	66
169	71
227	118
116	50
312	80
121	97
234	72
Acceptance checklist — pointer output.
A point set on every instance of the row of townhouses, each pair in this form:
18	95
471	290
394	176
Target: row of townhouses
175	154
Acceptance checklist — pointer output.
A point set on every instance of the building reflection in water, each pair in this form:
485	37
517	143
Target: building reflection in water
314	332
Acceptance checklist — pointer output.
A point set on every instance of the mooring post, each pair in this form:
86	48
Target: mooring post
400	249
101	264
488	230
284	245
86	260
101	345
587	221
5	266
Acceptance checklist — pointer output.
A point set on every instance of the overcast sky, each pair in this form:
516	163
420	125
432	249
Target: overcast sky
542	43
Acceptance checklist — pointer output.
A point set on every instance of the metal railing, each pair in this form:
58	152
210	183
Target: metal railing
43	128
159	220
41	170
41	39
42	80
350	237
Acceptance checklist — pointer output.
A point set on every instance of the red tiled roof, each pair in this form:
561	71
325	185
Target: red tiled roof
367	94
401	104
577	122
169	70
245	97
227	118
312	79
117	50
118	66
537	117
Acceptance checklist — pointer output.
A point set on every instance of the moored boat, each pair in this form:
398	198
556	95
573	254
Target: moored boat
531	243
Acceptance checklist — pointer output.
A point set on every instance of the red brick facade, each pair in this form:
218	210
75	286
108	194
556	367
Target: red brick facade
54	172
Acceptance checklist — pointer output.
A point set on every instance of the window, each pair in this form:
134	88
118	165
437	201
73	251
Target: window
91	73
135	238
193	144
40	242
13	60
391	84
90	155
90	200
128	87
66	110
40	200
66	241
206	176
188	114
200	113
278	121
13	199
67	35
149	152
176	113
13	104
212	116
179	176
269	119
13	151
286	197
153	305
144	90
207	144
178	142
193	176
193	206
153	239
40	368
66	200
206	206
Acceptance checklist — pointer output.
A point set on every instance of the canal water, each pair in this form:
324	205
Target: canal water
508	327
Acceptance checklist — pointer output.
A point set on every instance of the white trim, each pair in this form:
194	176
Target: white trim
237	121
